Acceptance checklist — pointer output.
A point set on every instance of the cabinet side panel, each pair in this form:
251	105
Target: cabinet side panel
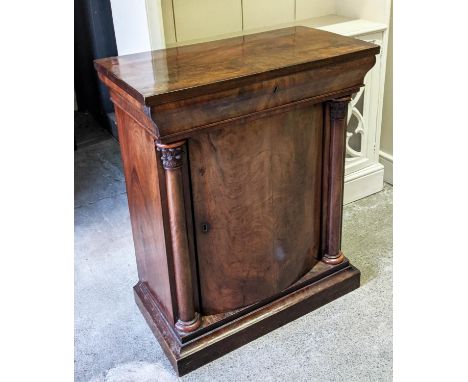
256	196
145	205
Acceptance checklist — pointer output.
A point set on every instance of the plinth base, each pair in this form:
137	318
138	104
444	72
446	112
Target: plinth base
221	334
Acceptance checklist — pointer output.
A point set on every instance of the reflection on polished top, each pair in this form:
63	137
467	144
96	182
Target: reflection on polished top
171	74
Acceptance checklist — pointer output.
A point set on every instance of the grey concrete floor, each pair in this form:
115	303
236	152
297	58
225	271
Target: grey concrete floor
349	339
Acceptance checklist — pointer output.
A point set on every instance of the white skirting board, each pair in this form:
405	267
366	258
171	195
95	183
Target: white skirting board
387	162
363	183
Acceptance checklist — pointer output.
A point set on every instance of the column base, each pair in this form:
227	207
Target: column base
220	334
334	260
189	326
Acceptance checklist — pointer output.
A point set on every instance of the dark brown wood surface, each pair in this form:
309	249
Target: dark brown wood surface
333	194
256	197
240	232
172	158
171	74
181	119
145	192
186	357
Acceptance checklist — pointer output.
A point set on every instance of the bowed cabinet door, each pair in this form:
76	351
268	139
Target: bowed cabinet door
256	190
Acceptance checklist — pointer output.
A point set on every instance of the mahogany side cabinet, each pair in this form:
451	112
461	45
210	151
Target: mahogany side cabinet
233	153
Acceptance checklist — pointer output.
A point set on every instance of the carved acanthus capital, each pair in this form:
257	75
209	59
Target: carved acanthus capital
339	108
171	155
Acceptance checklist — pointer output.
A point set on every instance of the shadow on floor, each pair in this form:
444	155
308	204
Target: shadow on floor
88	131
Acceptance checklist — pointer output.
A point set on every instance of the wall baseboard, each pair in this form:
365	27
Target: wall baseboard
387	161
363	183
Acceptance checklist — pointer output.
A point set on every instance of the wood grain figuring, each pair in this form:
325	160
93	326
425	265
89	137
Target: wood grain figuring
319	271
172	160
337	152
140	113
262	201
176	118
237	218
172	74
142	183
189	356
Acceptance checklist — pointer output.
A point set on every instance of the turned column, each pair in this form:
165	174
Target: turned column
172	160
335	179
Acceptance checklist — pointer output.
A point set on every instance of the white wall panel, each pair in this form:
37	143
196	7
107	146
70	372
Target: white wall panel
373	10
195	19
262	13
306	9
154	14
168	21
130	26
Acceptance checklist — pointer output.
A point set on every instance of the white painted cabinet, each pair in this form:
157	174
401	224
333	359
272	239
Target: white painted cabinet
364	174
363	171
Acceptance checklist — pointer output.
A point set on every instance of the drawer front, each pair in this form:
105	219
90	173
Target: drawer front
180	119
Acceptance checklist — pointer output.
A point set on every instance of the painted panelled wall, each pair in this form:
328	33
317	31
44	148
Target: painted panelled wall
130	26
143	25
195	19
386	136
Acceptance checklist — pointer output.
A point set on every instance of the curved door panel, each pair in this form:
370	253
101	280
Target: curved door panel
256	196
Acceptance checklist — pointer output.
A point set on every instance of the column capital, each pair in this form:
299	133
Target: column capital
339	108
171	154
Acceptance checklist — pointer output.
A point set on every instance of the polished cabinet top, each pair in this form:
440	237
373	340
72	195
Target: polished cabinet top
177	73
